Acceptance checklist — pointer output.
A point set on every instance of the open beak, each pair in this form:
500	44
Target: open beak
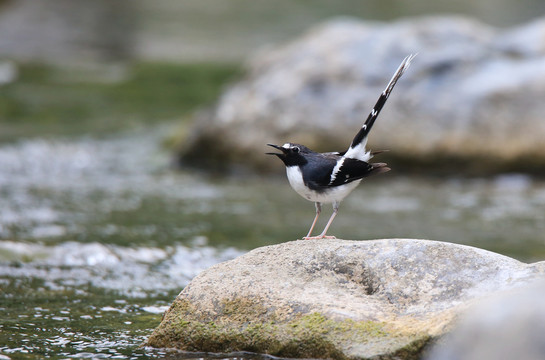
278	148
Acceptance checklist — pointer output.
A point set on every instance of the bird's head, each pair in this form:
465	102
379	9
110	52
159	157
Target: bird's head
291	154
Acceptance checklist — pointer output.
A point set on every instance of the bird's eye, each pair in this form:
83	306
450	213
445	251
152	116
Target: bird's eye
295	149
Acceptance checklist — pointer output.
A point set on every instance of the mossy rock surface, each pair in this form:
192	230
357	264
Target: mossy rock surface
245	325
382	299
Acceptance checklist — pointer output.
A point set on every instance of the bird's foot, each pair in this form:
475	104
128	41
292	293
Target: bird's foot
319	237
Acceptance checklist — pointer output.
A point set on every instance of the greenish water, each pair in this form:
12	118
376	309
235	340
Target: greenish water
98	235
99	99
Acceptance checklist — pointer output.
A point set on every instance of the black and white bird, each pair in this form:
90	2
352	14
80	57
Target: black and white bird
330	177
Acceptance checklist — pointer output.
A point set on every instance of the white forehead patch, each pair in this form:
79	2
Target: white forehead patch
286	145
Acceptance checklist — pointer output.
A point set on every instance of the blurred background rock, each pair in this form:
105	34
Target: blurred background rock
158	61
65	31
116	65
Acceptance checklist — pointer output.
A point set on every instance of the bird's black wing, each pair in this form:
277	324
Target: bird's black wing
353	169
317	171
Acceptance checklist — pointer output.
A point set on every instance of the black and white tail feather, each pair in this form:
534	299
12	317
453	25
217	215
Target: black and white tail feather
357	149
329	177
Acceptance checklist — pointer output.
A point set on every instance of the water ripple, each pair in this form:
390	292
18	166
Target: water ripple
135	272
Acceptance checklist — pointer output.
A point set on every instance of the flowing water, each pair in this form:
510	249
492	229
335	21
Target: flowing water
99	234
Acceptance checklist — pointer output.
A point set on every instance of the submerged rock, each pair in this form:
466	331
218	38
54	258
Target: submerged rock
474	92
336	298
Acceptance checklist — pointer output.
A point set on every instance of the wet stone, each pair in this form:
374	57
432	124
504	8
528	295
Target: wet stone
336	298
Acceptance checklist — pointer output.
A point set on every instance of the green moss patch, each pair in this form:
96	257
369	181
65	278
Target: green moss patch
246	325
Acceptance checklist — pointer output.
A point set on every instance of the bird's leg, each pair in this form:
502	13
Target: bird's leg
318	211
335	211
323	234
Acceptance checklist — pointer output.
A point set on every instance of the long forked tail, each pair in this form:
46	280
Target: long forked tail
357	148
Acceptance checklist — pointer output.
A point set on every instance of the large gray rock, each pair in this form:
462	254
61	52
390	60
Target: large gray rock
336	298
474	92
505	327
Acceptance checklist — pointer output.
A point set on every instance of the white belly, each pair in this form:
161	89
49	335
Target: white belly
295	177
